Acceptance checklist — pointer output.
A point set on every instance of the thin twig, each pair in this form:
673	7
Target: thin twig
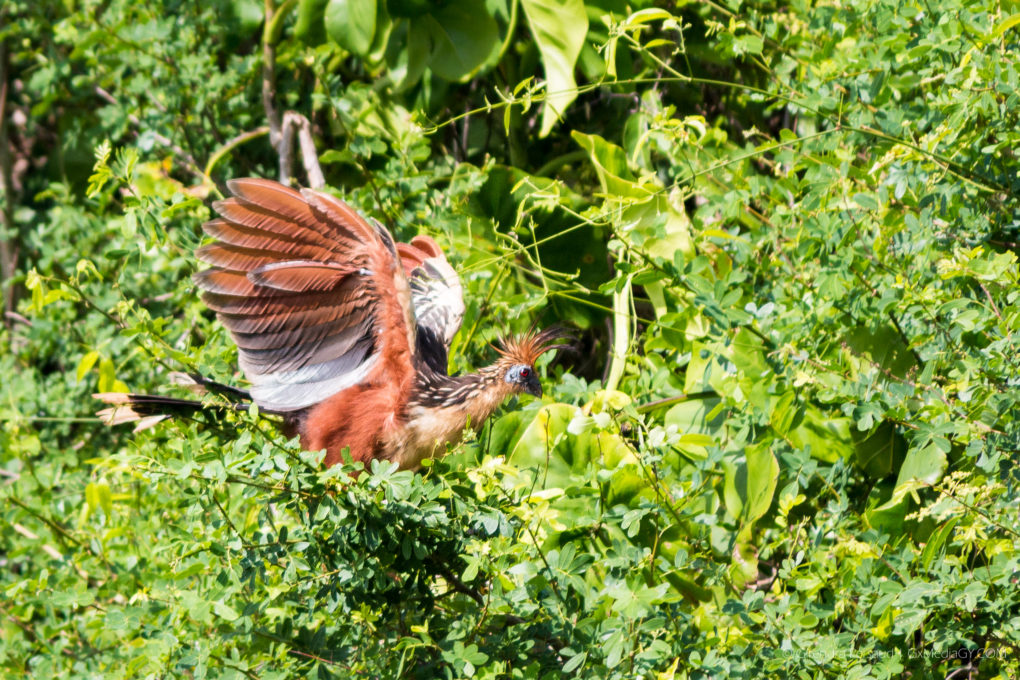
60	531
230	523
991	301
232	144
457	584
669	401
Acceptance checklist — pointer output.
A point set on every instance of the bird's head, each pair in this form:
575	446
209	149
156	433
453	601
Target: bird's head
522	378
519	354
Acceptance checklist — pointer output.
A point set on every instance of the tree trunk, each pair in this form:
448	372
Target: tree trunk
8	231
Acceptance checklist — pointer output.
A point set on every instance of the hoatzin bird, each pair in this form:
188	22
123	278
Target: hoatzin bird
341	331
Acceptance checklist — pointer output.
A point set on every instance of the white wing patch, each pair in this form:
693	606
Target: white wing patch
438	298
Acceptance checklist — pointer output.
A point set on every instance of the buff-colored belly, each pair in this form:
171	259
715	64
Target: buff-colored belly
426	435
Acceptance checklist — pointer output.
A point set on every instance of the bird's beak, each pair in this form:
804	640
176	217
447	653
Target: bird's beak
533	387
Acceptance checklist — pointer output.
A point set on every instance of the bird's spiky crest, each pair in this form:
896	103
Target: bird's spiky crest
529	346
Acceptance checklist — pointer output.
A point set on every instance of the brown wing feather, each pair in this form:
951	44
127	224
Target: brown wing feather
245	237
285	338
301	275
233	283
410	257
284	304
427	245
239	259
254	216
296	317
294	208
314	296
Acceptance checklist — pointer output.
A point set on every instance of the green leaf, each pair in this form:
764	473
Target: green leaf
546	445
924	464
645	16
937	539
748	44
574	662
880	452
225	611
107	375
744	565
465	37
559	28
86	363
249	13
351	24
866	201
105	498
783	413
310	27
696	417
408	53
78	597
750	484
696	440
1004	25
825	437
610	161
762	477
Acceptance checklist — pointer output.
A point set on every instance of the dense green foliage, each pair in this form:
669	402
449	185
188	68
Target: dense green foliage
785	236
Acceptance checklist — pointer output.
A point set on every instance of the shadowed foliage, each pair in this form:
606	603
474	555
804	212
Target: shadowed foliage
784	237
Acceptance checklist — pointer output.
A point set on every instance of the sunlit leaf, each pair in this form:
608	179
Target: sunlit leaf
559	27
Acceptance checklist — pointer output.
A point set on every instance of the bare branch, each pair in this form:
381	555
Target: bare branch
269	79
297	124
8	239
14	317
283	128
285	151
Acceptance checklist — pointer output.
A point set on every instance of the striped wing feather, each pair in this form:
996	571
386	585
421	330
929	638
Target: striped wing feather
436	292
313	295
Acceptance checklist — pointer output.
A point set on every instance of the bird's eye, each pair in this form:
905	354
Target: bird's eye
525	372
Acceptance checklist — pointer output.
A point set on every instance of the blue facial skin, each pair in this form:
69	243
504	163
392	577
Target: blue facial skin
525	378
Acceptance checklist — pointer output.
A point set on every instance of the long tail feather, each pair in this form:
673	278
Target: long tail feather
149	409
199	384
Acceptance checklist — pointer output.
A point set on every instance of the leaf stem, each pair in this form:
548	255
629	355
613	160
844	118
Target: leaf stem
622	300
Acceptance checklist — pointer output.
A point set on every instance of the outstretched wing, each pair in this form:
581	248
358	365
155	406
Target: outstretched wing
436	293
313	295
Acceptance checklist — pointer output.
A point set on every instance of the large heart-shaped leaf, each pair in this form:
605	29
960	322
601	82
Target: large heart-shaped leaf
465	38
351	24
559	27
